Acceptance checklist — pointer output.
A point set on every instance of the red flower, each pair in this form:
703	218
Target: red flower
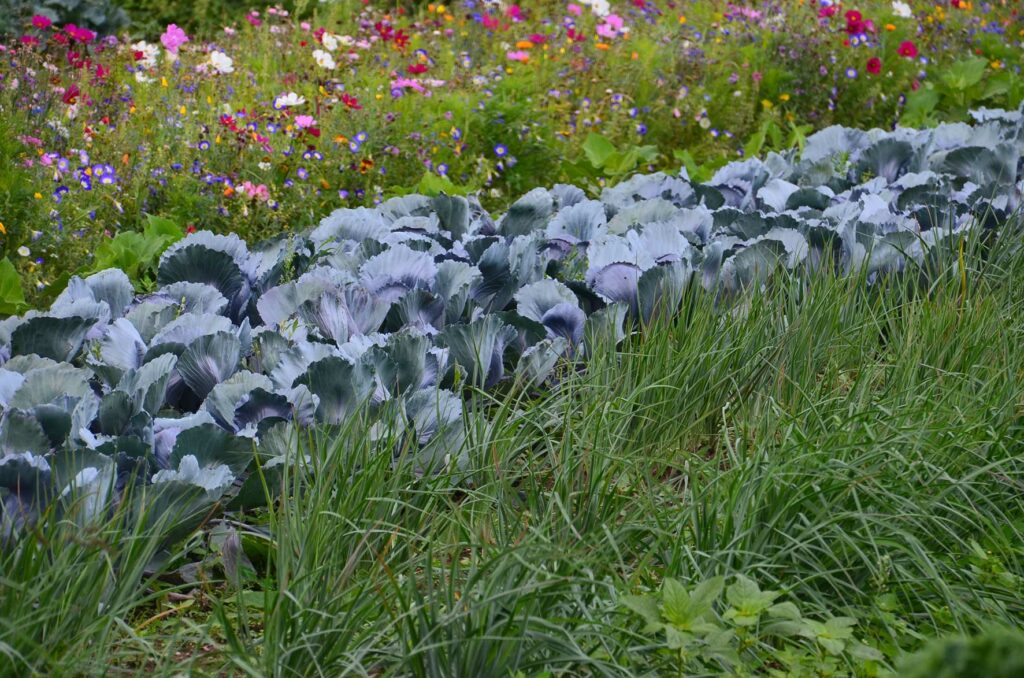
907	49
351	102
416	69
874	65
83	35
71	94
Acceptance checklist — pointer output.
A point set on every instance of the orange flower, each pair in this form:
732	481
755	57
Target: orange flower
228	192
602	45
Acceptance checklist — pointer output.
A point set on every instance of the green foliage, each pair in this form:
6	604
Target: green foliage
966	84
748	627
12	297
150	17
613	162
102	16
994	653
137	254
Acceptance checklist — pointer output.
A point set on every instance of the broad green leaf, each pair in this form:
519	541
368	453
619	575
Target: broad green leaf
646	607
785	610
12	297
964	74
598	149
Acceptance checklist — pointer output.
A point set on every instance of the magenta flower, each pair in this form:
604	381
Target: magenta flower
173	38
41	22
304	121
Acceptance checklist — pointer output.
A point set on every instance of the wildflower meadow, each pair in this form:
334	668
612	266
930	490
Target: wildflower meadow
551	338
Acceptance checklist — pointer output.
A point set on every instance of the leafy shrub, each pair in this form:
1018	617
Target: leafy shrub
101	16
995	653
750	628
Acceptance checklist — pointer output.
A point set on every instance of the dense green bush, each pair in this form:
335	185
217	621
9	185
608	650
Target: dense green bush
102	16
149	17
996	653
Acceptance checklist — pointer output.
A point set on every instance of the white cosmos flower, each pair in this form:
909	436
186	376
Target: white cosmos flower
902	9
24	251
221	62
598	7
324	59
288	100
330	42
149	53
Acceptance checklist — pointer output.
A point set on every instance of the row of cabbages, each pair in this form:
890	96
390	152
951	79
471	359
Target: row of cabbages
167	398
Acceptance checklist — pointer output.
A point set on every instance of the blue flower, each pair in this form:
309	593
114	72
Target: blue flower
500	150
851	72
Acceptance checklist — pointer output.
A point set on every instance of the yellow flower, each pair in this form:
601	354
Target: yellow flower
37	195
682	19
996	64
3	229
183	110
163	82
783	97
767	104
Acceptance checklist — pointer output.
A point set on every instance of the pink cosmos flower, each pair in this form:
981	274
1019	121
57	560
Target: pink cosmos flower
304	121
261	192
575	9
611	26
173	38
518	55
907	49
402	83
82	35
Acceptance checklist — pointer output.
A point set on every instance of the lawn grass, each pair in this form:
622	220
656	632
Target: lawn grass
856	448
